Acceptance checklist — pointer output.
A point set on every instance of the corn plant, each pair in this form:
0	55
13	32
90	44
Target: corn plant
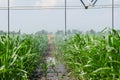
19	55
93	57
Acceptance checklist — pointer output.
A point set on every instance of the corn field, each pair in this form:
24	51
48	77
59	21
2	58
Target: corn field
19	55
86	56
92	56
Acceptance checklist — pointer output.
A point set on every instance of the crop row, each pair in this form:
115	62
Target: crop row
93	57
19	55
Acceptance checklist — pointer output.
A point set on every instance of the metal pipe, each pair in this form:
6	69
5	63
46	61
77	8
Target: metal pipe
8	17
65	17
112	14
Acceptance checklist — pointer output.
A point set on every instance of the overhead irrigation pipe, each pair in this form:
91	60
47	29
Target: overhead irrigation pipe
57	7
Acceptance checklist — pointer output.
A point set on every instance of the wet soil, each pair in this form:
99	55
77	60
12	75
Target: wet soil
55	70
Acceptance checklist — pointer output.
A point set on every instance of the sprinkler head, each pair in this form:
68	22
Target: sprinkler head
86	7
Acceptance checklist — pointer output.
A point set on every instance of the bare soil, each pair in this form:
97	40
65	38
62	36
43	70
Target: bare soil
55	70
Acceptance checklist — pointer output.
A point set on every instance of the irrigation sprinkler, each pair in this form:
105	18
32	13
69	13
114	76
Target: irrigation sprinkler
89	3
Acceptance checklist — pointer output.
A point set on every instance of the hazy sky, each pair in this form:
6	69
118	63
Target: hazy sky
30	21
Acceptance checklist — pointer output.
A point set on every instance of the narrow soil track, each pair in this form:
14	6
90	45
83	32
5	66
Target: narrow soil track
55	69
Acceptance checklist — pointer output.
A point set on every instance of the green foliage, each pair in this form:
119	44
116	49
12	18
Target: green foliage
93	57
19	55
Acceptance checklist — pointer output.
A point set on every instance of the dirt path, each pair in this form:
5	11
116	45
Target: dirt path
55	69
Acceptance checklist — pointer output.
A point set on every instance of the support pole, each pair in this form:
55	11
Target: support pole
8	29
65	18
112	14
8	18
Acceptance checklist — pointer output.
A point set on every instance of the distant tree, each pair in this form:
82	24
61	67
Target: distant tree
14	32
118	31
92	31
2	32
76	31
69	31
42	32
59	32
50	33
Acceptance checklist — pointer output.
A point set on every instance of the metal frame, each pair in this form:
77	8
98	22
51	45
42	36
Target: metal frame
92	1
86	7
